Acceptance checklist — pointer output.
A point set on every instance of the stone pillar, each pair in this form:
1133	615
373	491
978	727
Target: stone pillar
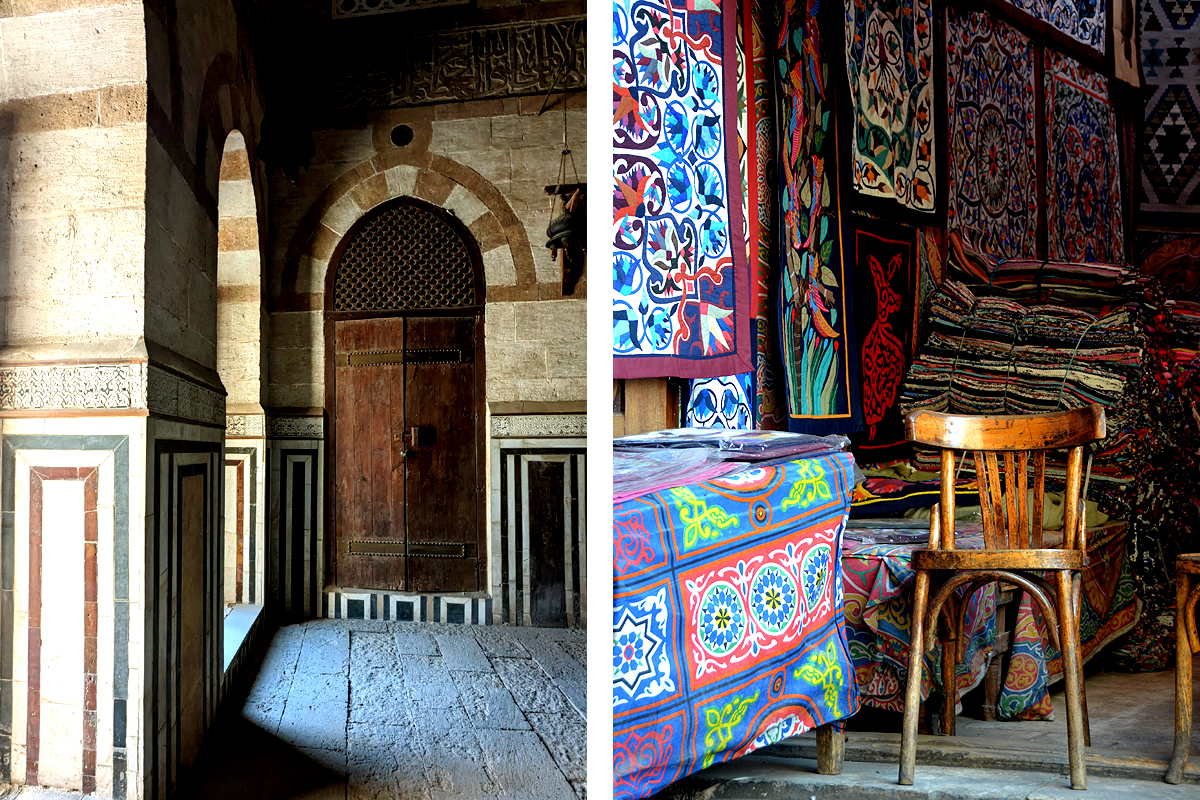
73	396
241	367
112	413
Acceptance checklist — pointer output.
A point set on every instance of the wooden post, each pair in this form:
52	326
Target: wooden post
648	404
831	748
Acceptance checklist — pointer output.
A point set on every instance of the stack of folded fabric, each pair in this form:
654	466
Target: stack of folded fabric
1186	344
1030	337
994	355
1057	281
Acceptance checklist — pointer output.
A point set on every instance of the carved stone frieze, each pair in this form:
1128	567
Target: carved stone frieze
476	64
297	428
349	9
172	395
540	426
245	425
73	386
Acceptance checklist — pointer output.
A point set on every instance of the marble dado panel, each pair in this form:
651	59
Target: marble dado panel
65	633
537	426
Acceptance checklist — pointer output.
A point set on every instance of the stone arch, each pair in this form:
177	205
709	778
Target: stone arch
240	356
241	366
503	243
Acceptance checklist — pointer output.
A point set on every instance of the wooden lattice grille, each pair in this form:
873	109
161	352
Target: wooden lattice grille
404	257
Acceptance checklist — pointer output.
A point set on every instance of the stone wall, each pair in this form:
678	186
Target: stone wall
202	87
72	147
485	161
194	103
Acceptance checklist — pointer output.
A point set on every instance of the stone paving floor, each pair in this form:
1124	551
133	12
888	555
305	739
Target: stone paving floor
381	710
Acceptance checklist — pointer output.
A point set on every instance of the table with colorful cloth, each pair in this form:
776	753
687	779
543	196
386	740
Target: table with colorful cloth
878	587
728	632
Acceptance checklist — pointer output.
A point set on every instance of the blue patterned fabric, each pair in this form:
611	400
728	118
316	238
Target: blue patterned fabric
721	402
681	294
728	632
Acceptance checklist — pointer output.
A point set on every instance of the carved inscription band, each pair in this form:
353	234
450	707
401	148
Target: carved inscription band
504	61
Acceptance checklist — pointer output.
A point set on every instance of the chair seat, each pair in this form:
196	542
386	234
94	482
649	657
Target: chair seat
1188	563
997	559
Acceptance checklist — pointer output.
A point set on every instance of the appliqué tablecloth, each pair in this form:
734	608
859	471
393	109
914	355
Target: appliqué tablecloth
728	632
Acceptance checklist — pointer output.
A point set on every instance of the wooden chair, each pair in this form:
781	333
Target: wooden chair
1013	550
1187	641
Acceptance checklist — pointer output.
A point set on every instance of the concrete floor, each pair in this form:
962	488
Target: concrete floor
383	710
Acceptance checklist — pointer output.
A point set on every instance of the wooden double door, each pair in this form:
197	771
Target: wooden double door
408	482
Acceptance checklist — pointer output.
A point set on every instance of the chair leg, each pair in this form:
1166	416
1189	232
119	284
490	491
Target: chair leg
1077	590
912	689
1068	632
1183	682
949	668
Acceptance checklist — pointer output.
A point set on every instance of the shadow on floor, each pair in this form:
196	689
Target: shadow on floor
247	762
343	709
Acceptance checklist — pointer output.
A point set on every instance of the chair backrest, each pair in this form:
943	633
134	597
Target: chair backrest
1008	523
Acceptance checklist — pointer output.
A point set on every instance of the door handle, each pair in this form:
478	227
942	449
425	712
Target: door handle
415	435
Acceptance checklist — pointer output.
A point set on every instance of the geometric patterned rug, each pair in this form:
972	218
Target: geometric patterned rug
1170	148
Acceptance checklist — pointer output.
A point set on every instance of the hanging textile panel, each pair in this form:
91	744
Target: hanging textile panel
728	631
721	402
743	132
770	412
889	61
993	199
815	329
1083	203
1083	20
931	248
884	263
1170	148
726	402
762	148
681	295
769	407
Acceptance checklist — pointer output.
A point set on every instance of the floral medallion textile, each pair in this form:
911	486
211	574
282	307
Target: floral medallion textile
815	329
681	295
1083	205
993	200
728	632
1170	153
878	590
889	61
1083	20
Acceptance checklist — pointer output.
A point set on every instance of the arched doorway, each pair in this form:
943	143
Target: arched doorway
404	336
